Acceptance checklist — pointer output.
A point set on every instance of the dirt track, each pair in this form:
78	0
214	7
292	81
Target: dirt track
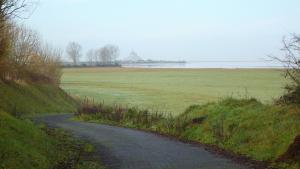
121	148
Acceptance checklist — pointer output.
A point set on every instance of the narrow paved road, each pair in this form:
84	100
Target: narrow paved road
122	148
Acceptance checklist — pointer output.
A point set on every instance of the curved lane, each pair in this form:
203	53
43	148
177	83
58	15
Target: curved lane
121	148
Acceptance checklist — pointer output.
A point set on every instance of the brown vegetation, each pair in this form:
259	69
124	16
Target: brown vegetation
23	56
118	114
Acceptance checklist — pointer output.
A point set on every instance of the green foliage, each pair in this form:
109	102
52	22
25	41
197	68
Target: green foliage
24	99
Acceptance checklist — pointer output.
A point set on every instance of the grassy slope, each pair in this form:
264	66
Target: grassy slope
34	99
23	145
171	90
262	132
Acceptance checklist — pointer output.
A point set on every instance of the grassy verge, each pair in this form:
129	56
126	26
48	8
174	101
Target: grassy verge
26	99
248	127
23	145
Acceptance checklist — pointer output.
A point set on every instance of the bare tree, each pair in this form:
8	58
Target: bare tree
74	52
91	56
26	41
114	52
47	64
291	58
22	55
104	55
24	44
11	8
108	54
291	62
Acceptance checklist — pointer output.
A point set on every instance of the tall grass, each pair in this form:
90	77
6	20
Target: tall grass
115	113
165	123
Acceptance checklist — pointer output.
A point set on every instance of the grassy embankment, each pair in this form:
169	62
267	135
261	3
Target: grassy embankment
245	126
24	145
28	99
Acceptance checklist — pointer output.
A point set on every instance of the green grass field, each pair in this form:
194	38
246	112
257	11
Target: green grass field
171	90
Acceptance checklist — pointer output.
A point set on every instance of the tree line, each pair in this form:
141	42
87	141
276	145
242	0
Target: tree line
106	55
23	54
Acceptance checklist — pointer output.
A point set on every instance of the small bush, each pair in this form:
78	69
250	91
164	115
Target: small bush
291	61
291	97
118	114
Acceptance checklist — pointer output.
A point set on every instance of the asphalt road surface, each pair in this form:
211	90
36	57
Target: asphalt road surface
121	148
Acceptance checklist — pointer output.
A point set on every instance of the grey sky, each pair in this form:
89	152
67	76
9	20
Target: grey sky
171	29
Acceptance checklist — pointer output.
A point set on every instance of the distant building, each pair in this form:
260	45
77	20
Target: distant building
133	57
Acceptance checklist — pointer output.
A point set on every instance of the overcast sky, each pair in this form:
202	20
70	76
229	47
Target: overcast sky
224	30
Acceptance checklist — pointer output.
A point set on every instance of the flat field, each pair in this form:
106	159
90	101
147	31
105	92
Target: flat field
172	90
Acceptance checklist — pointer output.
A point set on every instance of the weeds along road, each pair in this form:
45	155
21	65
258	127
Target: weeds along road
121	148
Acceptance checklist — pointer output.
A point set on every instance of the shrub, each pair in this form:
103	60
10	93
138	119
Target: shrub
291	62
118	114
24	58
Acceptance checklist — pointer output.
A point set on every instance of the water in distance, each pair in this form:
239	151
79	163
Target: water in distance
206	64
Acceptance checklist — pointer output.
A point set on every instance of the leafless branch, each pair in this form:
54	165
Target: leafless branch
290	58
